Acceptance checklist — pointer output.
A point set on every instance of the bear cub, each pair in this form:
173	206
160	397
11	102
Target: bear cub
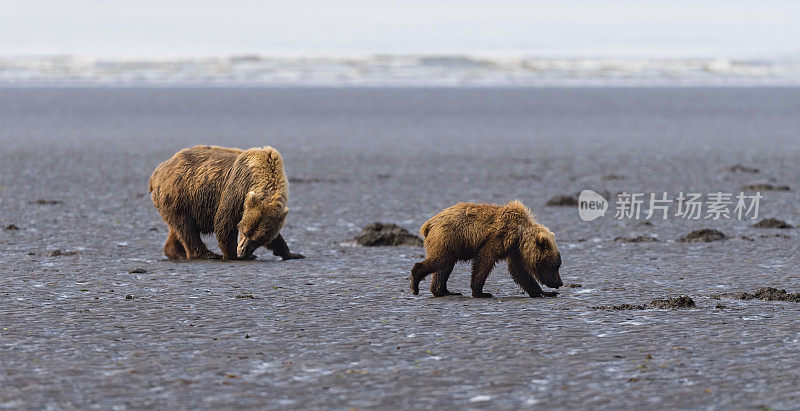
486	234
227	191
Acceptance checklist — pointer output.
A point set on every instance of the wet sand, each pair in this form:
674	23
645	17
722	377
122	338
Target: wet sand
340	328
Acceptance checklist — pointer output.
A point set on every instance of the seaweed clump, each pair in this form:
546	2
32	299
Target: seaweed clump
385	234
704	235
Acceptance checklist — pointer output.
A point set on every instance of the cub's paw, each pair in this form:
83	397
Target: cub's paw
481	295
292	256
414	286
549	293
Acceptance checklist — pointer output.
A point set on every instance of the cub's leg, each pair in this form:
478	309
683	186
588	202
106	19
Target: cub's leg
439	282
425	267
281	249
189	234
482	265
520	275
173	249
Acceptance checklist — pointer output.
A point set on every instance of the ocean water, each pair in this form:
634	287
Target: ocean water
395	43
397	70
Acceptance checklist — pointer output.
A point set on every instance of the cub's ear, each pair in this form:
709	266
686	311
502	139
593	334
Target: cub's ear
285	211
251	200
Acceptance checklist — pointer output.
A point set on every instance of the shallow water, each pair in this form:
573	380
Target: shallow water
340	328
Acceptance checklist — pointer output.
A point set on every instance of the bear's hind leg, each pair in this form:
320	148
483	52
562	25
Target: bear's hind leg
189	234
439	282
422	269
173	249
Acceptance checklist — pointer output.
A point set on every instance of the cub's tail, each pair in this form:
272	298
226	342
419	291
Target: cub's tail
423	231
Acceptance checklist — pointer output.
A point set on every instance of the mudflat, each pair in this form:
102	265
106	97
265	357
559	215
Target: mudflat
93	315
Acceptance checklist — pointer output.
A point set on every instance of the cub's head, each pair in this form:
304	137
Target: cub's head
261	222
542	258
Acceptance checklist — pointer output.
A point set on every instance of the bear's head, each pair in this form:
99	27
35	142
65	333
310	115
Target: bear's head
261	222
542	258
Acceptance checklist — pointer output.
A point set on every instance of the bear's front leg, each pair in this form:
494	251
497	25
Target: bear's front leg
281	249
516	267
227	240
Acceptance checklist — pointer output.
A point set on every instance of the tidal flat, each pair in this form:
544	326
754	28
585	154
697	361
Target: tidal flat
93	315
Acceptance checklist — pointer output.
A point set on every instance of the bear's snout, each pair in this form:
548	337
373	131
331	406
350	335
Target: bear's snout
556	276
549	276
555	280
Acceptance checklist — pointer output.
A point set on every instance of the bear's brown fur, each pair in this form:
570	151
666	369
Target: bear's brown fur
486	234
210	189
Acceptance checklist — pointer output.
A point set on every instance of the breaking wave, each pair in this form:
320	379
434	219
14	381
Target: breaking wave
396	71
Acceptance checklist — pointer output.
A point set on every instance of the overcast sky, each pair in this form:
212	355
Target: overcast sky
573	28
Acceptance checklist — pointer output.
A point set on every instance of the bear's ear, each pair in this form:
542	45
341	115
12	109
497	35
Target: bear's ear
542	240
252	200
285	211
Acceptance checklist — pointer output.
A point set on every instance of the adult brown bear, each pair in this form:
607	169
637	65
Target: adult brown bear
227	191
486	234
